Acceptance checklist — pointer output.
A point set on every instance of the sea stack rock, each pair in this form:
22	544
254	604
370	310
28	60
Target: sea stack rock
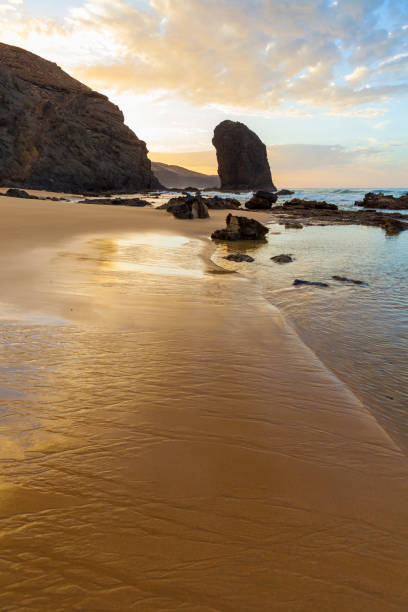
58	134
242	158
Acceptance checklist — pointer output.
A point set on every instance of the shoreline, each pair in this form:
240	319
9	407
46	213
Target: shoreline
277	484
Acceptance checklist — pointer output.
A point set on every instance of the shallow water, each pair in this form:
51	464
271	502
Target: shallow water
359	331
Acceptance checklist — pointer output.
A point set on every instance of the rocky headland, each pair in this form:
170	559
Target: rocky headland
58	134
242	159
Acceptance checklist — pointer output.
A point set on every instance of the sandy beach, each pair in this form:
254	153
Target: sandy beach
168	442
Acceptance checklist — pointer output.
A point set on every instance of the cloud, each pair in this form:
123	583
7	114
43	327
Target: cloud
248	54
358	74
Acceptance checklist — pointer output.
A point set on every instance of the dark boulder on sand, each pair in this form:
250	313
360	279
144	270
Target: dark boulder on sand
261	200
241	228
242	158
379	200
60	135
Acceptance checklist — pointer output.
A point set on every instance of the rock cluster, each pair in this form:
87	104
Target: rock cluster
240	228
190	207
379	200
242	158
290	214
215	203
57	134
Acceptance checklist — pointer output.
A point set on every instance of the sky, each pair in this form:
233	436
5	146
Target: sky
324	83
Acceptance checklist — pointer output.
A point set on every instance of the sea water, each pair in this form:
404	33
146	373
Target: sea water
359	331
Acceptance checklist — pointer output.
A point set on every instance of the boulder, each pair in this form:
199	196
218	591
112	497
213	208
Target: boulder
60	135
381	201
261	200
240	228
242	158
299	282
282	259
239	257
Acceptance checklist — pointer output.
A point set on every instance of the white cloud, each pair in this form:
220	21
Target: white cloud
258	55
358	74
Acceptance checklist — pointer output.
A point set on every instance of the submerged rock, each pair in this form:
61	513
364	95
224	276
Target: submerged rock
298	282
239	257
58	134
241	228
261	200
379	200
282	259
242	159
344	279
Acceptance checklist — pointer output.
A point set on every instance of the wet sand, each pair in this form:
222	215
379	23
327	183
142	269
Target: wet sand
172	445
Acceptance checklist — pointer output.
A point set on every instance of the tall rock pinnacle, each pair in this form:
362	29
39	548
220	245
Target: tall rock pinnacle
242	159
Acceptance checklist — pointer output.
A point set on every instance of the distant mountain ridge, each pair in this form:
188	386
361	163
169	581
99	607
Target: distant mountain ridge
58	134
177	176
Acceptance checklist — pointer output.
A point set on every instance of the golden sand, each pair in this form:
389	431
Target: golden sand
178	447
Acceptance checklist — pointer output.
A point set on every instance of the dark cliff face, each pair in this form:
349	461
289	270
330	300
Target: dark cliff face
57	134
242	159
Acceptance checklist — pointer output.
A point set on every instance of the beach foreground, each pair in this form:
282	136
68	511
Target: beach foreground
167	442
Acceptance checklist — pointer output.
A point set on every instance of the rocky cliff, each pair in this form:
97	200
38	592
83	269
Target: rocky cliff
57	134
242	158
